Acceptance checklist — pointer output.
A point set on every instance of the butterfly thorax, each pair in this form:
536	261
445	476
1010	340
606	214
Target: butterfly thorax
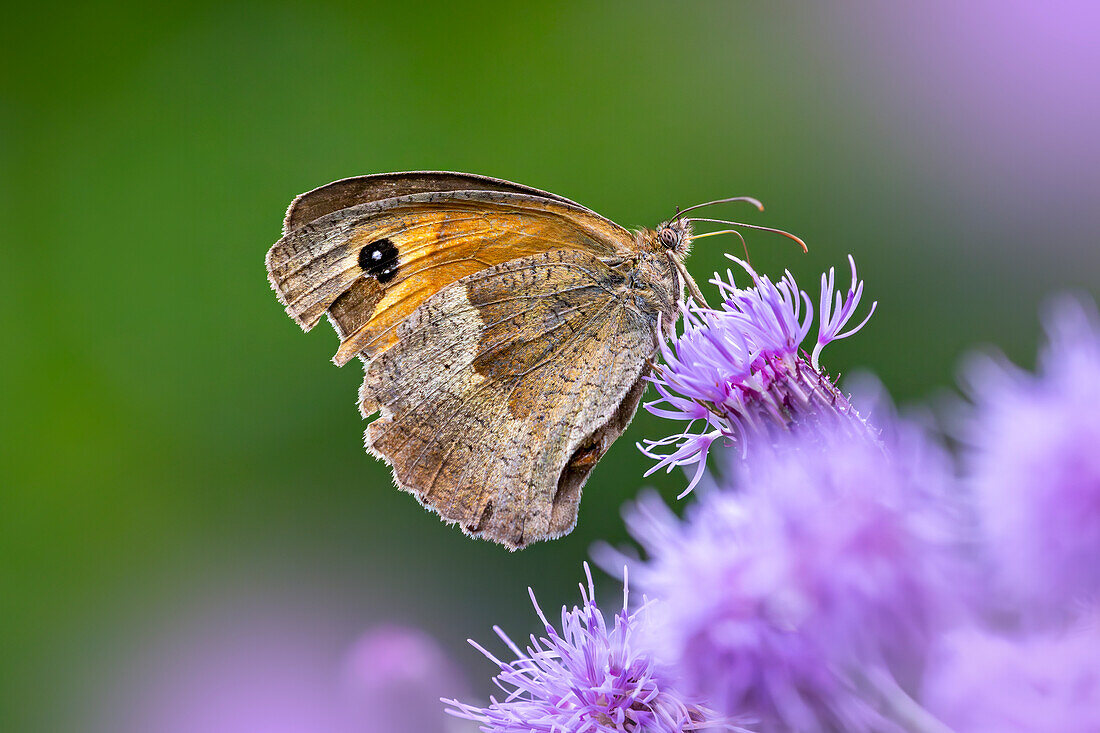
651	273
671	242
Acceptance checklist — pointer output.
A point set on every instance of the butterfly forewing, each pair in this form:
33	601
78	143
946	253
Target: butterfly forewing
352	309
427	241
365	189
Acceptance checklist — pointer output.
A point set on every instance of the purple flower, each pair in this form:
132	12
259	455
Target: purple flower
1034	463
393	679
739	370
240	666
825	571
983	683
589	678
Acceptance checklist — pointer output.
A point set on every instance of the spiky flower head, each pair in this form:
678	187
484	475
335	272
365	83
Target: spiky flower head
824	568
590	677
739	370
1033	461
982	682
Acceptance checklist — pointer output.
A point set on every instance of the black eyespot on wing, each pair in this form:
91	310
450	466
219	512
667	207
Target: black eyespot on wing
379	260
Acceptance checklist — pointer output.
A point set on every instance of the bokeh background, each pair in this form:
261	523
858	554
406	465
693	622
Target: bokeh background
191	537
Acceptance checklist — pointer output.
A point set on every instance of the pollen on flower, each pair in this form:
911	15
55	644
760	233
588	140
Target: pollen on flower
739	370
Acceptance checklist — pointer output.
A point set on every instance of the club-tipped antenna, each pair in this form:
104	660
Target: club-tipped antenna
788	235
744	244
746	199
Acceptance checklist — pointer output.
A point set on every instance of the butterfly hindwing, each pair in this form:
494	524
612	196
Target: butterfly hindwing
503	389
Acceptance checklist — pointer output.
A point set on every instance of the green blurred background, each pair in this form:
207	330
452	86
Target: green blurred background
179	465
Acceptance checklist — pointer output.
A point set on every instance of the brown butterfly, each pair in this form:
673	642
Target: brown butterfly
505	332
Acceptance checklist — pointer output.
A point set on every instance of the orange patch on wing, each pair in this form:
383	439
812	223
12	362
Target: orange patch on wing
441	244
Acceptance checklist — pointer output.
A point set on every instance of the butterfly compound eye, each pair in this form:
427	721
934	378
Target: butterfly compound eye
668	238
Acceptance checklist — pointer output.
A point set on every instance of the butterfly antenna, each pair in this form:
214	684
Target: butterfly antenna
797	240
747	199
744	244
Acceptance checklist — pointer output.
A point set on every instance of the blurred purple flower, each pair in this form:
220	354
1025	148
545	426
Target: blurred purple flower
1035	467
825	572
255	669
982	683
739	370
587	679
394	677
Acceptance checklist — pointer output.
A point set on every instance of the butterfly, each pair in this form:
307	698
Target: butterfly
506	333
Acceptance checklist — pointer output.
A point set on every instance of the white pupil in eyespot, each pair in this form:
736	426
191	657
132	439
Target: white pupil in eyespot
376	254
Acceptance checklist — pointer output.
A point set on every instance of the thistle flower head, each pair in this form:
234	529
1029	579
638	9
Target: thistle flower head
738	370
1032	458
591	677
829	559
979	682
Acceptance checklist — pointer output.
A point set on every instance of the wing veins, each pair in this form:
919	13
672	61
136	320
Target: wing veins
548	353
337	275
483	275
527	502
403	277
347	229
453	376
501	406
406	228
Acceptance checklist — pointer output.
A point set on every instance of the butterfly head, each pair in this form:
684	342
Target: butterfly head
672	240
675	237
